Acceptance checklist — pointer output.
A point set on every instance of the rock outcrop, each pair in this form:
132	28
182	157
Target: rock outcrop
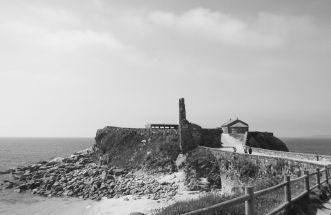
265	140
79	176
202	170
153	150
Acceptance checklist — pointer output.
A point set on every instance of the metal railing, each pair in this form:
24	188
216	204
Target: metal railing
250	196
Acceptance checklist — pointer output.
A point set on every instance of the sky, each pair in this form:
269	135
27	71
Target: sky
70	67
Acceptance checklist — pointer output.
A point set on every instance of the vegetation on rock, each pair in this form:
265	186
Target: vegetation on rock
201	164
265	140
154	150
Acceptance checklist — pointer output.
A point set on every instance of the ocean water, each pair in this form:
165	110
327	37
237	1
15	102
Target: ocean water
21	151
308	145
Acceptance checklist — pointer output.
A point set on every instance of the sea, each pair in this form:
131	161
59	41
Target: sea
22	151
311	145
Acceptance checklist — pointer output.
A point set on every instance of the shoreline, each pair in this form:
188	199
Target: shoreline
161	190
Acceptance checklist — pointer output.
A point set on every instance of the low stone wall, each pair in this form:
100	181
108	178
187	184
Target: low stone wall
279	165
293	155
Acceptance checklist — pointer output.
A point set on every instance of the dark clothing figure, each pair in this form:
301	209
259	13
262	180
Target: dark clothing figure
250	150
245	150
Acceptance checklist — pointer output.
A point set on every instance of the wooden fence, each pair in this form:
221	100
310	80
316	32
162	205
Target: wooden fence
322	176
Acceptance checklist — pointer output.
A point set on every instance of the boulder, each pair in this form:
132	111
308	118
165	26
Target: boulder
23	187
18	190
57	160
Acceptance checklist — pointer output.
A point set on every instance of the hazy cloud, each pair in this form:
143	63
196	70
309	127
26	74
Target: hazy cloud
103	62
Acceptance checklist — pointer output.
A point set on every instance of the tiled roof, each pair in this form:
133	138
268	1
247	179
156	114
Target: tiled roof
228	122
237	122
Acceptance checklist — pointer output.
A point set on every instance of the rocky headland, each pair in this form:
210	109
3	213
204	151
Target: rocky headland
123	161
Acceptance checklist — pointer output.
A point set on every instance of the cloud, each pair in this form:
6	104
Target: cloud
264	30
72	39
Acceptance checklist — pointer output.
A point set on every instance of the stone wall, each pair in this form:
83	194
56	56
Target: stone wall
238	169
211	137
293	155
267	163
104	135
192	135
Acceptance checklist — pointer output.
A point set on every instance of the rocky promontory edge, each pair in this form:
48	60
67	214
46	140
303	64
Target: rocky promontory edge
79	176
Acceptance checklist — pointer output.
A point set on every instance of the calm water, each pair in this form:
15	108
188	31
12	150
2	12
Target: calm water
20	151
309	145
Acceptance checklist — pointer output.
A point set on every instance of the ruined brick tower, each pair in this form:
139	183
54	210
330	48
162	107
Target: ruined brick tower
186	130
182	117
182	111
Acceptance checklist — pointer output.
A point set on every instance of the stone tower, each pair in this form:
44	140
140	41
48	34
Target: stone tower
182	111
189	134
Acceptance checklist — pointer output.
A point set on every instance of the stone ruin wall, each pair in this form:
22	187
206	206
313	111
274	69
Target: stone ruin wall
102	135
192	135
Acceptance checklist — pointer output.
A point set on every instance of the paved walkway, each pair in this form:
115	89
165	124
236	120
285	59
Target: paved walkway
230	143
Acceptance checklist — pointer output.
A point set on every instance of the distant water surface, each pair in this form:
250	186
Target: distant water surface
21	151
308	145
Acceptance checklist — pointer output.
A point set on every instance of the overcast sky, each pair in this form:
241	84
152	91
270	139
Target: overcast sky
69	67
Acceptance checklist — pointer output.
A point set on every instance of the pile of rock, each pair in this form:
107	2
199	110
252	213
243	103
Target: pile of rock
79	176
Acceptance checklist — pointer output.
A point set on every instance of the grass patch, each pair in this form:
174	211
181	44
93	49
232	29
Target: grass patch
263	204
202	202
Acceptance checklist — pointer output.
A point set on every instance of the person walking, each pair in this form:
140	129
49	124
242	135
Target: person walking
250	150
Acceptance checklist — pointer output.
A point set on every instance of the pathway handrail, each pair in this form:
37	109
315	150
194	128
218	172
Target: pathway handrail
298	179
269	189
248	198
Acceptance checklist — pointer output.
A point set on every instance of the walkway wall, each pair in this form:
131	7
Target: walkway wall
293	155
266	163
